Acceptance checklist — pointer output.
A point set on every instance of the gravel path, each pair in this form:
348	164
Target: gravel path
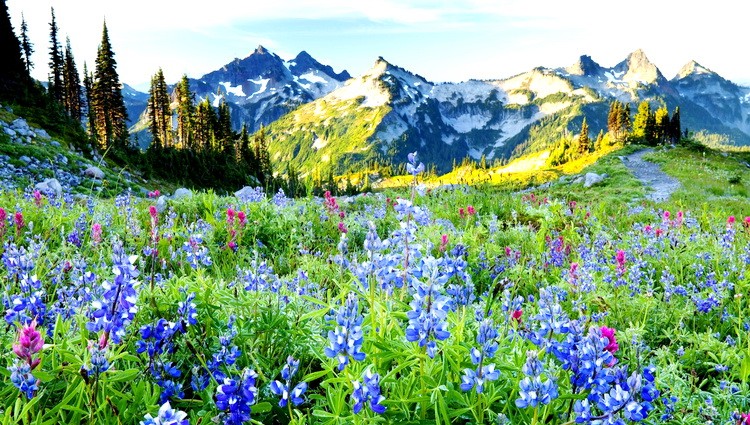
651	175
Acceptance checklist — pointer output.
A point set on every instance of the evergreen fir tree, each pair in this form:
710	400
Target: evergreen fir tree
674	126
88	87
265	173
14	78
203	127
56	84
159	112
72	83
185	113
642	127
584	143
223	130
108	105
27	47
661	125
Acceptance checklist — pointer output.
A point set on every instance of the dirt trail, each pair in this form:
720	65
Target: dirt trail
651	175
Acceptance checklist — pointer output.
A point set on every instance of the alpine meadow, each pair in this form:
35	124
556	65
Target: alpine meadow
277	241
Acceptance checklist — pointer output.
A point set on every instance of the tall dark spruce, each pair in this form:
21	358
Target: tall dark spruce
185	113
88	88
56	84
72	83
107	103
159	112
14	78
27	47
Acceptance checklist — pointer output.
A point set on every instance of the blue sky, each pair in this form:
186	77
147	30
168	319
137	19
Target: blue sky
438	39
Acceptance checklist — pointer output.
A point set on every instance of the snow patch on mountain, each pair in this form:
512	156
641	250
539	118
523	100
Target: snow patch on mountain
262	82
236	90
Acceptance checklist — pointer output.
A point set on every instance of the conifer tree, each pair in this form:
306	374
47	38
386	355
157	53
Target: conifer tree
14	78
110	115
159	112
72	84
27	47
584	143
223	130
642	123
88	87
203	127
661	125
265	173
674	126
185	112
56	84
613	124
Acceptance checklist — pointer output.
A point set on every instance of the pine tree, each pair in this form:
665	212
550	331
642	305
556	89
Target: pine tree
223	130
642	127
265	173
88	87
56	84
72	83
110	115
27	48
203	127
661	125
613	124
674	126
185	113
584	143
14	78
159	112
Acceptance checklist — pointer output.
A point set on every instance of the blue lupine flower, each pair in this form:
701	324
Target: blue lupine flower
346	338
412	167
534	391
488	346
98	363
234	398
427	318
116	308
369	390
21	378
166	416
195	253
282	389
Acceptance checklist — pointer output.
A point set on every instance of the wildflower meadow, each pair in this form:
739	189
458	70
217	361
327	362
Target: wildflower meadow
449	305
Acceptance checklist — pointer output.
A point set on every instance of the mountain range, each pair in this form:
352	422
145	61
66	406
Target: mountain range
321	121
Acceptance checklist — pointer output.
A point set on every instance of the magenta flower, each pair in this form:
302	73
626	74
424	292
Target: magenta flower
609	333
30	342
620	258
153	212
516	315
744	419
470	209
96	233
230	215
241	217
443	242
461	212
342	227
38	198
730	221
18	218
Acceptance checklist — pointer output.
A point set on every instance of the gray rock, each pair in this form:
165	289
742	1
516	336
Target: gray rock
161	204
62	159
9	131
248	193
42	134
577	180
20	124
182	193
94	172
50	185
55	143
25	159
591	179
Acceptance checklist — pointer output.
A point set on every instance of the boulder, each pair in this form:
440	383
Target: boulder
94	173
591	179
42	134
25	159
182	193
248	194
49	186
55	143
161	204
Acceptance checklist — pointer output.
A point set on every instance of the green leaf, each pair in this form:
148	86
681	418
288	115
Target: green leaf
262	407
123	375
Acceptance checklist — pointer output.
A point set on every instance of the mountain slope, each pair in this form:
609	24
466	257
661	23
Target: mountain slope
259	88
497	119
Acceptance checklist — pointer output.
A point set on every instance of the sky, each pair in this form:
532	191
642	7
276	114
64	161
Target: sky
441	40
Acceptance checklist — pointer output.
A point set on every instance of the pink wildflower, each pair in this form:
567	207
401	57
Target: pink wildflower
620	258
470	209
230	215
516	315
730	221
443	242
96	233
461	212
342	227
38	198
241	217
609	333
30	342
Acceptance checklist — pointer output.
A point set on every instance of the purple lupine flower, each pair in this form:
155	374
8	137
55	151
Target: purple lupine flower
346	338
283	388
486	338
166	416
21	378
369	390
534	391
427	318
234	398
